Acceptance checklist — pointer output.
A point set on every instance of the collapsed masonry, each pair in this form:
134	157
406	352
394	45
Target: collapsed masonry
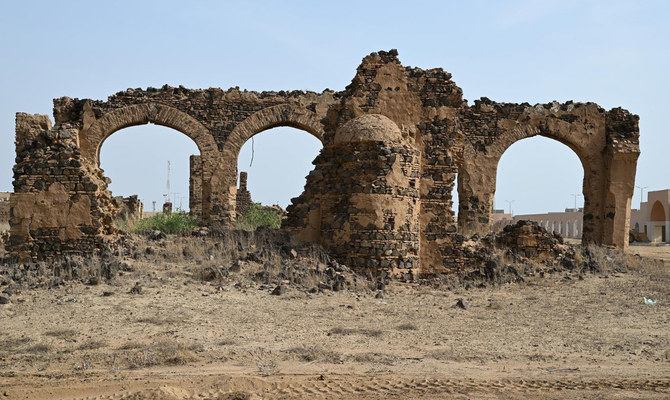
380	196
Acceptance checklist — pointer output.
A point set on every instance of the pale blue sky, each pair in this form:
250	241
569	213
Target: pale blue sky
613	53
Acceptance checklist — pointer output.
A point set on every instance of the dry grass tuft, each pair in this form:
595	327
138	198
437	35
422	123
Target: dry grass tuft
10	345
92	345
62	333
163	353
131	346
375	358
355	331
407	327
265	360
315	354
160	321
38	348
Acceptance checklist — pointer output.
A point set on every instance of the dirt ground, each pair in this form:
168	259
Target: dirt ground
556	337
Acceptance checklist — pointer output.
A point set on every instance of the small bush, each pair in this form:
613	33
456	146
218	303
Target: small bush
175	222
165	352
258	216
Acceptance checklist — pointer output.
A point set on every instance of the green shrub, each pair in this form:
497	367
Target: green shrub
174	223
257	216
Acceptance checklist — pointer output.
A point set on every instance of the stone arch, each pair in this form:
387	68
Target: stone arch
271	117
92	137
262	120
477	178
509	137
657	212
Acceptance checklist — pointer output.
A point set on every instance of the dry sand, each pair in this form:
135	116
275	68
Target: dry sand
551	337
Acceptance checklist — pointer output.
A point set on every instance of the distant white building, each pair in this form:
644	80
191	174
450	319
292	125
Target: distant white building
568	223
653	217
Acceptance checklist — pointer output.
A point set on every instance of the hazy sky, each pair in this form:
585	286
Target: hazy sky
613	53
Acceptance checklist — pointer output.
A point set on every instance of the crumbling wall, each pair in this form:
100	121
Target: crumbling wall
60	205
195	186
243	197
381	194
595	135
424	106
128	208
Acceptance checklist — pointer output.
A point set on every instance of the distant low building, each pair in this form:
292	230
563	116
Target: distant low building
568	223
499	218
653	217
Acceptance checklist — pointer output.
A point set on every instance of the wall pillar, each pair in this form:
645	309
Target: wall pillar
476	190
621	169
243	197
195	186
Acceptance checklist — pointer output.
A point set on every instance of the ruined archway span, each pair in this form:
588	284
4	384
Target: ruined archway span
477	178
91	139
271	117
523	131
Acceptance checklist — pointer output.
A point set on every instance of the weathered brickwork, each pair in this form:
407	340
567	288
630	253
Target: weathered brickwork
61	204
128	208
381	194
195	186
243	198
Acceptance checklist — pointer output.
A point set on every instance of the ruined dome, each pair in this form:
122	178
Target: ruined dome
368	127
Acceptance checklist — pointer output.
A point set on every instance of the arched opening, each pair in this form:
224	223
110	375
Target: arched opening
657	212
276	161
539	175
136	160
657	220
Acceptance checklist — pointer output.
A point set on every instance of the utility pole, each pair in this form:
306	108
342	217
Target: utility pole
575	195
509	203
168	181
641	195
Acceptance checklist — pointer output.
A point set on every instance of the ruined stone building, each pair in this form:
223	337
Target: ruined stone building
395	141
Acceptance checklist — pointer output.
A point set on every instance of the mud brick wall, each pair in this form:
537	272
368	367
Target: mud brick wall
243	199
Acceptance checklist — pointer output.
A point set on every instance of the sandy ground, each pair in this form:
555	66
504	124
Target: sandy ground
556	337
